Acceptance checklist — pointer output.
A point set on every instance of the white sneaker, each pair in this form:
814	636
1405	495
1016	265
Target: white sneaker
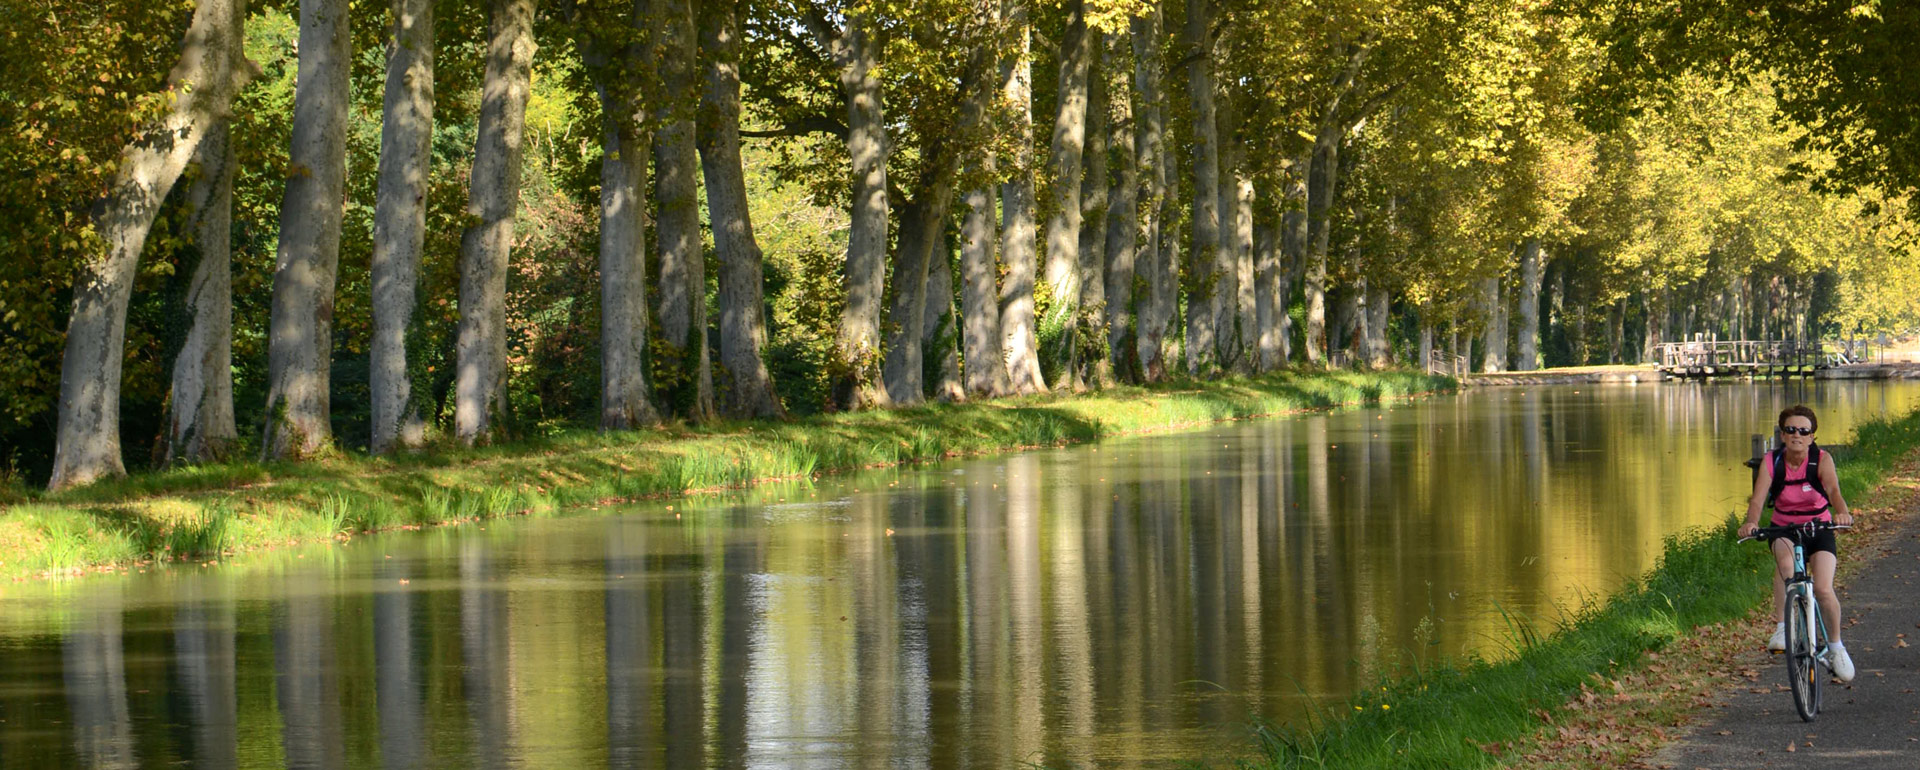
1778	642
1841	663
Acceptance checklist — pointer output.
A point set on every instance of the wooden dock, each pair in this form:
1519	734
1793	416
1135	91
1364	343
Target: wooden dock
1704	359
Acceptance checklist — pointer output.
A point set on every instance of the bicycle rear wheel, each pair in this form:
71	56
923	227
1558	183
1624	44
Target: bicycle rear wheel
1803	671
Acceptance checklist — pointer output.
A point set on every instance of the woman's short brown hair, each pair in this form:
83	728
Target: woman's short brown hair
1799	410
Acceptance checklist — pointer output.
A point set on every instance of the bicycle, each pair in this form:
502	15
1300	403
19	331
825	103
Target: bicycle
1807	648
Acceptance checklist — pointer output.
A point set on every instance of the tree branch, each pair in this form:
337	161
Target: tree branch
809	124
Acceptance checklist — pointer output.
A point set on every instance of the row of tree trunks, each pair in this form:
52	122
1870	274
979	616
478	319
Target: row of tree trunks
743	329
399	223
300	329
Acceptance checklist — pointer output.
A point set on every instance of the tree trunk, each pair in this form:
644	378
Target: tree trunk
1616	321
1293	252
1205	296
1494	341
1123	214
743	330
1322	176
1092	365
1267	307
481	409
300	335
1650	334
1154	306
1064	161
624	400
937	326
1379	353
202	426
1354	311
399	224
683	265
986	372
857	342
920	226
1528	356
1016	206
1426	341
1241	319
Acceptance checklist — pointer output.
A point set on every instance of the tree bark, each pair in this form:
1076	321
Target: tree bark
1379	353
1092	366
1650	336
1527	357
1321	182
202	425
920	227
1123	213
300	334
683	265
937	326
481	409
1425	363
1293	251
986	369
1153	307
1493	356
858	383
1240	332
1064	161
399	223
1016	206
743	330
1267	307
618	73
1205	295
1616	321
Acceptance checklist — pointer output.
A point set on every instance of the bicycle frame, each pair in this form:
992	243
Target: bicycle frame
1802	584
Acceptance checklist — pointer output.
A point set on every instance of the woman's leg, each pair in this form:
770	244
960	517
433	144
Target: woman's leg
1820	565
1783	571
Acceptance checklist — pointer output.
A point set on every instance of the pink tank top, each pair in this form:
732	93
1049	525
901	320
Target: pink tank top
1801	499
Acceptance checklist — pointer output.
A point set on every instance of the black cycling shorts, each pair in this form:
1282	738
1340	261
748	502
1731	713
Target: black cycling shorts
1822	540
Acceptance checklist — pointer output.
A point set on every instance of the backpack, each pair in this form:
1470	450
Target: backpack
1813	476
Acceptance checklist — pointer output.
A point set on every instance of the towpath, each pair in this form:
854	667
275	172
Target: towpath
1872	723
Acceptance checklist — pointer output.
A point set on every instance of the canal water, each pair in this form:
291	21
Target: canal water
1133	603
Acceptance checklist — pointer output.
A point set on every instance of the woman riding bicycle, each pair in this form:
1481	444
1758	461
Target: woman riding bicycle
1810	492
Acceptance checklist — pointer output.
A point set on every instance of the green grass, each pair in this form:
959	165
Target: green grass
1440	716
213	509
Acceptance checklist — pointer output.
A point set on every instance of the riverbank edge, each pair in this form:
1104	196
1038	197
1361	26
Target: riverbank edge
1500	712
219	510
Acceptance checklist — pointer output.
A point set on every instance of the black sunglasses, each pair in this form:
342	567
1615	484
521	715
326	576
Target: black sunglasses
1793	431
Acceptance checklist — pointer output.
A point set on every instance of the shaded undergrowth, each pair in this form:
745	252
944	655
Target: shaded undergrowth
1443	716
221	508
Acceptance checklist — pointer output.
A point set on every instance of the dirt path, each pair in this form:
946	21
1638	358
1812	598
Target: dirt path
1872	723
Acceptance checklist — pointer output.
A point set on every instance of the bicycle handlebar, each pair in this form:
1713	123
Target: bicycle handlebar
1790	529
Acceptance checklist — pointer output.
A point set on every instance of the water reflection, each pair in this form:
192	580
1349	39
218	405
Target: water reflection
1138	601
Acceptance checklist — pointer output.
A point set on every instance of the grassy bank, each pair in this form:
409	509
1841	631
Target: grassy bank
1447	716
219	509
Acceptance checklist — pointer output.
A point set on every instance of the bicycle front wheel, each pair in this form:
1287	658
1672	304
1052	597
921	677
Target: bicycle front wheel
1803	671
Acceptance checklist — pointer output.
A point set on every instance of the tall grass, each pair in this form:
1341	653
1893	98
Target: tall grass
213	509
1440	716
